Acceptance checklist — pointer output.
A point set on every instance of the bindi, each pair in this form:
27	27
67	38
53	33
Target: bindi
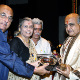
67	22
29	23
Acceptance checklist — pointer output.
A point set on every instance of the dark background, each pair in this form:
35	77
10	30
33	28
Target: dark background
47	10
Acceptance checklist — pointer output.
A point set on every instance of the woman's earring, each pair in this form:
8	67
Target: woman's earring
19	30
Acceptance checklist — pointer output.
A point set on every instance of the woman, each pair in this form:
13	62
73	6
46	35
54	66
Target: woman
22	44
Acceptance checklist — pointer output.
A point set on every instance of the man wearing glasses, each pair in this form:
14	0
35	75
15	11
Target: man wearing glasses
8	59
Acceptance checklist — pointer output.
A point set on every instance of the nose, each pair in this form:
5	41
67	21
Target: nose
37	30
28	28
6	19
68	27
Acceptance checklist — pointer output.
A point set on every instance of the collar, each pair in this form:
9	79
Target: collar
37	41
3	36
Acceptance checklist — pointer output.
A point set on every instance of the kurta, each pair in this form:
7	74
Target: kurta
43	47
9	60
73	57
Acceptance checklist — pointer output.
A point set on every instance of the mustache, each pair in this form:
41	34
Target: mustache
69	31
37	33
4	23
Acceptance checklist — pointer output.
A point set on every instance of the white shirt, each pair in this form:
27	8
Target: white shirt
43	46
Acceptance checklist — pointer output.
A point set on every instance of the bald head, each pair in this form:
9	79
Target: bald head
72	24
73	15
6	15
5	7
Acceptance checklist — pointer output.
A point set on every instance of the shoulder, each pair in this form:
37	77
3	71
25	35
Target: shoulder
44	40
15	40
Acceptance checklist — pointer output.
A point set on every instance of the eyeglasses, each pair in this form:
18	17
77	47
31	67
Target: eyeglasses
3	15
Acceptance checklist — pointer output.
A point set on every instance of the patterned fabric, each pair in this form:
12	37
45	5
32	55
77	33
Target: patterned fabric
76	72
72	47
32	58
33	53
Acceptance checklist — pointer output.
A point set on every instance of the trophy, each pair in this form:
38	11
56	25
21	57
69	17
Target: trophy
48	58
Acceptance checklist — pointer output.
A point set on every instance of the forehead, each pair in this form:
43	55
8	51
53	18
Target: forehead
37	26
27	22
7	10
70	20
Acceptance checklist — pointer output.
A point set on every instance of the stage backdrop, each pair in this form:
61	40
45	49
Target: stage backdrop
62	31
14	2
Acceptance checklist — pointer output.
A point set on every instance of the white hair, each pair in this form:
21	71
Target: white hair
37	21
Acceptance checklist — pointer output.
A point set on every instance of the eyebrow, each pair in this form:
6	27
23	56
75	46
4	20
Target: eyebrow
11	16
69	23
5	14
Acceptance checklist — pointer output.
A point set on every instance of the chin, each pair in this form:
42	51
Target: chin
71	35
3	30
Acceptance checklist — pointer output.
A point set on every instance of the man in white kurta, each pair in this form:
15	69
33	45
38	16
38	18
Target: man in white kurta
70	50
42	46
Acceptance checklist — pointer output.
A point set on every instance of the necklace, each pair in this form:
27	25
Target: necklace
26	43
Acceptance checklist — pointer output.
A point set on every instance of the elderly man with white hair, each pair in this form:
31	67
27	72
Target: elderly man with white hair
41	45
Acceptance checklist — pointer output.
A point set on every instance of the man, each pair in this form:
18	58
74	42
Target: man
41	45
70	50
8	59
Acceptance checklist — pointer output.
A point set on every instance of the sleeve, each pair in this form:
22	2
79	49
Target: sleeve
14	45
73	76
10	60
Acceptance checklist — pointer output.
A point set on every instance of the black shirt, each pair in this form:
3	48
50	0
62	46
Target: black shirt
20	49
